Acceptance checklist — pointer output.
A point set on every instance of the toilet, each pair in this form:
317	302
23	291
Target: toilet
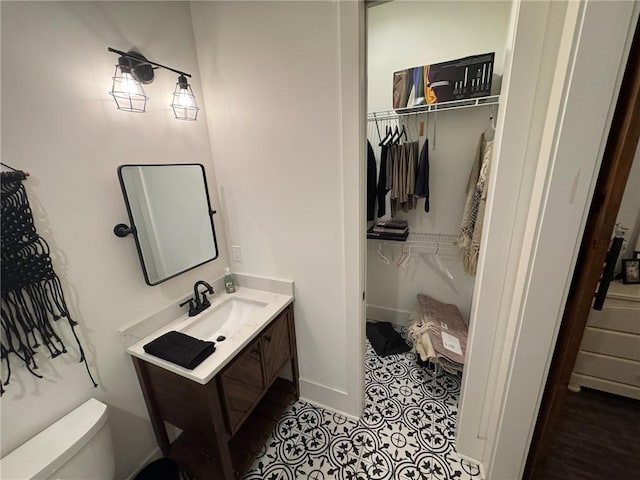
78	446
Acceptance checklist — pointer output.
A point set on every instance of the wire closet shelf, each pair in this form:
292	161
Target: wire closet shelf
434	107
442	244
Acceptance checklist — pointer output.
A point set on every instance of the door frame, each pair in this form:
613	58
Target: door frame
612	180
582	104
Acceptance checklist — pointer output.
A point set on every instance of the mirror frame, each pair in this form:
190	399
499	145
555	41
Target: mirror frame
134	229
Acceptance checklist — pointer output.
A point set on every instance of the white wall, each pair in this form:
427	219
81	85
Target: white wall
274	93
404	34
59	123
629	213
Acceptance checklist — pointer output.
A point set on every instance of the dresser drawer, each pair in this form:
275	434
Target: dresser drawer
617	315
609	342
610	368
606	386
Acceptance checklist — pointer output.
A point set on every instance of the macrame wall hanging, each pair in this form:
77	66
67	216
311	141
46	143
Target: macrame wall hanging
32	297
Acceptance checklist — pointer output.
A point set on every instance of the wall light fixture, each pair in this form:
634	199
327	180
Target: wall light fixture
134	70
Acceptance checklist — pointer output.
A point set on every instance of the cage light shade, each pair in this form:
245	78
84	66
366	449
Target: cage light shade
184	103
127	91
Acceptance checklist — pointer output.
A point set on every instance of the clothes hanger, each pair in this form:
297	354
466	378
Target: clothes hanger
403	132
490	131
429	259
13	169
390	136
441	266
402	257
396	135
382	255
387	137
407	259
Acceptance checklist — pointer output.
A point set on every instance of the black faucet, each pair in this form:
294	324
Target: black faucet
197	304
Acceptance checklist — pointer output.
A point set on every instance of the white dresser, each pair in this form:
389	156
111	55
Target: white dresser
609	356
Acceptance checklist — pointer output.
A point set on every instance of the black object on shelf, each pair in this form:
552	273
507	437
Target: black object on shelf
400	237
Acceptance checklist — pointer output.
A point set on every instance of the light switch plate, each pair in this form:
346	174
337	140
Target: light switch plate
236	254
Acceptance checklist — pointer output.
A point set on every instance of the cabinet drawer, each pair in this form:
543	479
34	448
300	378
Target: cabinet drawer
276	345
608	368
617	315
242	384
608	342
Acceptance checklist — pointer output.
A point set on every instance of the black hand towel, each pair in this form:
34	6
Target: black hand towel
181	349
384	339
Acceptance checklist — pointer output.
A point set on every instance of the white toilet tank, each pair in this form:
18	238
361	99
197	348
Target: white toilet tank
76	447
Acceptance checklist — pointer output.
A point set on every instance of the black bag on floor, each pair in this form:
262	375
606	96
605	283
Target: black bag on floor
384	339
164	469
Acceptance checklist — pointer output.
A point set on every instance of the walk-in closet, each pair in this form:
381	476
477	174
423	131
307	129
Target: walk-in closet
424	216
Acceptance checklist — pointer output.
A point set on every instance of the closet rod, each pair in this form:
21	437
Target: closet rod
434	107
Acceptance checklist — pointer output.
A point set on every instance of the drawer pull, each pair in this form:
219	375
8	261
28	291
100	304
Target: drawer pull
267	338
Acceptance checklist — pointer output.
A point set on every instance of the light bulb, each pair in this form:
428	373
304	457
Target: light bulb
127	91
184	99
184	103
128	84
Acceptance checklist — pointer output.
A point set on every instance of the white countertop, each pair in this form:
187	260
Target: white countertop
229	348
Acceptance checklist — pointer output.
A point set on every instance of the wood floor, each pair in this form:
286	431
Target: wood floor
599	438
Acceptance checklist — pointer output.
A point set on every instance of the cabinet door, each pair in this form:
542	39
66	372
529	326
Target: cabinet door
242	384
277	345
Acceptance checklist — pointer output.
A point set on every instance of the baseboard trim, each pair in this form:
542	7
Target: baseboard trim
333	410
325	397
475	462
384	314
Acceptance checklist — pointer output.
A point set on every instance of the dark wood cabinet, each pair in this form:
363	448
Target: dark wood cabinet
212	415
276	345
242	384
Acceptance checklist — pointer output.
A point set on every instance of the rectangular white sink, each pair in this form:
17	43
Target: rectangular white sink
224	319
238	317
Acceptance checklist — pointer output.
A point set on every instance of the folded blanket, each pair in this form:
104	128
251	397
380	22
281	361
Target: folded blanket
384	339
438	333
181	349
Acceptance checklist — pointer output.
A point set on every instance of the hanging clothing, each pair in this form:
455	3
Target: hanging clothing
404	162
422	177
371	183
411	156
473	217
394	181
382	181
392	154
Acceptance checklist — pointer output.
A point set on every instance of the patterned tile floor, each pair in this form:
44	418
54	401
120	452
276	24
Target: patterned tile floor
405	433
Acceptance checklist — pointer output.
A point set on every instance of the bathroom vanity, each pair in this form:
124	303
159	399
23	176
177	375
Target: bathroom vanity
227	405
